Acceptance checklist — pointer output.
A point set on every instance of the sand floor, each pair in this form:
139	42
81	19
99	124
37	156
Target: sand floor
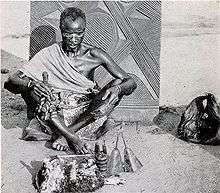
169	163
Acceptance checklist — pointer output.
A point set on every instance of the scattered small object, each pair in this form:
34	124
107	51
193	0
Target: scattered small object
115	166
155	130
137	126
4	71
200	123
114	180
131	162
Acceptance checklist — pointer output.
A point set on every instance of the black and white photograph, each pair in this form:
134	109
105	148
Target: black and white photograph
110	96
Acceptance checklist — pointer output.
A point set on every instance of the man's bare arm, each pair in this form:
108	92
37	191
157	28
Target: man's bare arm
127	84
19	83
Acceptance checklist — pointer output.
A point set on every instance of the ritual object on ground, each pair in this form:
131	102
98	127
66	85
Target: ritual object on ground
69	173
131	162
115	165
101	159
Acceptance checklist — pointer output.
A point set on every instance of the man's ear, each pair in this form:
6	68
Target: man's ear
61	28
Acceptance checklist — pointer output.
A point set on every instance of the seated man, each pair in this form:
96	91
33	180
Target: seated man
58	84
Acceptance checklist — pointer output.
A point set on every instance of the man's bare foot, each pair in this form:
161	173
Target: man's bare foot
60	144
68	139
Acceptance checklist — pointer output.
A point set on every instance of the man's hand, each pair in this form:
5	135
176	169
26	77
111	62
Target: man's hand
81	148
41	89
112	94
105	101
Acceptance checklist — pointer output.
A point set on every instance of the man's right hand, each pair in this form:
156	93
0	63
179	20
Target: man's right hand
39	90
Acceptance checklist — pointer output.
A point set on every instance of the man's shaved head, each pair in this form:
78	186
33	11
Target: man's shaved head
71	13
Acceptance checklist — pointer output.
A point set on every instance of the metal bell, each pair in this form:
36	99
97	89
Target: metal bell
115	165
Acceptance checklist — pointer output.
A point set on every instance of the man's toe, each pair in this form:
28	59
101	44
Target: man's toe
58	147
60	144
54	145
63	148
66	148
85	151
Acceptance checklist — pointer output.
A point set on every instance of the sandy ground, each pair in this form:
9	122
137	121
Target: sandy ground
170	165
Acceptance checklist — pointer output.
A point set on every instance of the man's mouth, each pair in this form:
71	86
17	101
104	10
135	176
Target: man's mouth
73	44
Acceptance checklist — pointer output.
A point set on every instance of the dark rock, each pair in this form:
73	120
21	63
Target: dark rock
4	71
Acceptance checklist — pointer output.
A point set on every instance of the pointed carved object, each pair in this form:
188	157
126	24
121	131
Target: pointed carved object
131	162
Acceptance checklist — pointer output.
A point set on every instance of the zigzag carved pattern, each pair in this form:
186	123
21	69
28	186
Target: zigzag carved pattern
141	53
118	55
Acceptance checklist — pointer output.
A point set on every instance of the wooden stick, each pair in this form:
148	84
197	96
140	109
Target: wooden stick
123	140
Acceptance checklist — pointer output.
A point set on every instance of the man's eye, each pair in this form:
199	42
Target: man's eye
71	34
67	34
78	33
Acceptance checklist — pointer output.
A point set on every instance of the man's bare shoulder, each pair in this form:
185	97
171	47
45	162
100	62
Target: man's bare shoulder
98	52
88	47
94	51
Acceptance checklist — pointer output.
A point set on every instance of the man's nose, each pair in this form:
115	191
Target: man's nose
75	37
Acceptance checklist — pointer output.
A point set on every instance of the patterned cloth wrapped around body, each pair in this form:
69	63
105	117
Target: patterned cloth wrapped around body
69	106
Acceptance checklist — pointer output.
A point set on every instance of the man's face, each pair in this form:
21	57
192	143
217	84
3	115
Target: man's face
73	32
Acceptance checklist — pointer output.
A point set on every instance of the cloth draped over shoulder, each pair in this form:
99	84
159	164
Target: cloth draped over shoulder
63	75
66	80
